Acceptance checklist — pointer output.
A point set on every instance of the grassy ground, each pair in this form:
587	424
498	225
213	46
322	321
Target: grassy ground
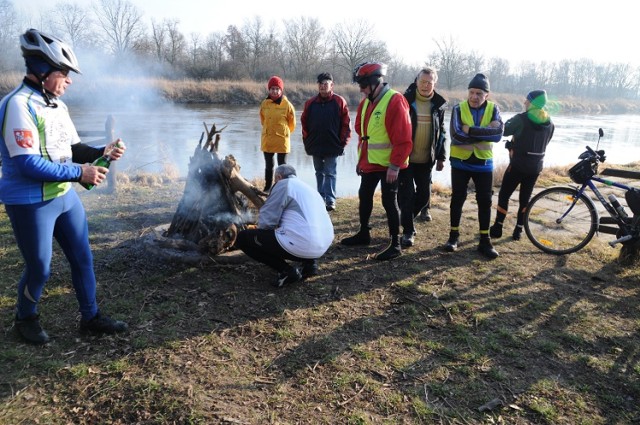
430	337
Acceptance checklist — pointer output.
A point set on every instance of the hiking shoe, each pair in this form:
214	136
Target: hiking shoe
425	215
288	277
408	240
331	207
363	237
390	252
309	268
30	330
517	233
452	244
102	325
486	248
495	231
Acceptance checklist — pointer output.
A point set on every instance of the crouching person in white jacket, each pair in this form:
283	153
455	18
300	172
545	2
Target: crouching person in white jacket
293	225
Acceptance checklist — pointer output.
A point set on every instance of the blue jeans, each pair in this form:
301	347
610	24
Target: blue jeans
325	167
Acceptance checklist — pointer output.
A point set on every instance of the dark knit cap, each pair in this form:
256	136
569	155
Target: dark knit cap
480	81
325	76
537	98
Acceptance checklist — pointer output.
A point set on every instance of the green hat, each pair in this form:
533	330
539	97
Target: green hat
537	98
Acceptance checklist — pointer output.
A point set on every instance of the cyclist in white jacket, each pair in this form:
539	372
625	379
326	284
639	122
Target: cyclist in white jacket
293	225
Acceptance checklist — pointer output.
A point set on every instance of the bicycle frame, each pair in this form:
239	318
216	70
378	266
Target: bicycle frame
619	220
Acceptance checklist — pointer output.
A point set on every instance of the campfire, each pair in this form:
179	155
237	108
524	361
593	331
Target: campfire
215	204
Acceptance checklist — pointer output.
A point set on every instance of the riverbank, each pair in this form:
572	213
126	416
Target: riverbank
430	337
226	92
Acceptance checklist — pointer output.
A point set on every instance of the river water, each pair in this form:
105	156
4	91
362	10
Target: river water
168	134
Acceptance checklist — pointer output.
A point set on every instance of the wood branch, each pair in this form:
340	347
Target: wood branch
231	171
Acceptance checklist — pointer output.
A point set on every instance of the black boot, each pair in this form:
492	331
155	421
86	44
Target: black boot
268	179
392	251
517	232
29	328
452	243
495	231
486	248
363	237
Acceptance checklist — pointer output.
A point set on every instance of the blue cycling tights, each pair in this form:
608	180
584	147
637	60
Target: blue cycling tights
34	227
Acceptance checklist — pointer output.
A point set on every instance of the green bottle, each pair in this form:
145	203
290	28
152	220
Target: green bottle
103	161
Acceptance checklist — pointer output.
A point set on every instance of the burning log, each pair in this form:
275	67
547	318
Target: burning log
212	211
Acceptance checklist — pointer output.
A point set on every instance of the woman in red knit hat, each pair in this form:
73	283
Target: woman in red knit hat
278	119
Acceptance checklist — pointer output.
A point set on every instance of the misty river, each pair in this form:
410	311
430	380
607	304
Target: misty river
168	134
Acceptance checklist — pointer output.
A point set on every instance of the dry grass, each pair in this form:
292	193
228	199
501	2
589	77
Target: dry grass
430	337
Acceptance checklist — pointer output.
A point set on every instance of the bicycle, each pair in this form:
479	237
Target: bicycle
563	219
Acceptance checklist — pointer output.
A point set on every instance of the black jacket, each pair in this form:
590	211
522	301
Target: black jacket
326	126
529	142
439	135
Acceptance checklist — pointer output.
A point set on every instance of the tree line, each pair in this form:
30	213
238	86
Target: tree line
115	31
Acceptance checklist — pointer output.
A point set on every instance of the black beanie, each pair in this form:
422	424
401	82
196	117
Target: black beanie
480	81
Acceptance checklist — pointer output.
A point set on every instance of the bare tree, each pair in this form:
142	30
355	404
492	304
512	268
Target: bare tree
213	53
303	39
355	44
451	63
256	37
159	39
121	24
8	31
236	48
71	22
498	69
175	42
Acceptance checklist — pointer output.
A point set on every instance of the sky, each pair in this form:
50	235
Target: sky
516	30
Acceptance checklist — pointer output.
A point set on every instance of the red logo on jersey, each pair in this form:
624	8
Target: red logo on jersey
24	138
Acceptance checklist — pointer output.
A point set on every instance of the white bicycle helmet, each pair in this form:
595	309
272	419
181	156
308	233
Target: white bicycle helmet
53	50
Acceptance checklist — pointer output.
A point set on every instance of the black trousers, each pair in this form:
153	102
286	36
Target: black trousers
414	193
459	184
262	246
368	184
510	181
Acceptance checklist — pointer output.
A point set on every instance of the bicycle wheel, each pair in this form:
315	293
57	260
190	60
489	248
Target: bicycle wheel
544	228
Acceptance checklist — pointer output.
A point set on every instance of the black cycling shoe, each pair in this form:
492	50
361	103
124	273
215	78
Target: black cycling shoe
30	330
495	231
363	237
517	233
309	268
390	252
486	248
287	277
408	240
451	245
102	325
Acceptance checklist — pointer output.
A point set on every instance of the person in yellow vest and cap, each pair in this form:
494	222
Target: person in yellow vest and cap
475	126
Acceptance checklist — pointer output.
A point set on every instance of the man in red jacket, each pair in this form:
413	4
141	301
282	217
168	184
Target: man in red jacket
384	127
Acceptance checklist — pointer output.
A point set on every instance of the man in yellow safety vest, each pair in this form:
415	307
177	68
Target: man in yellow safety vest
475	126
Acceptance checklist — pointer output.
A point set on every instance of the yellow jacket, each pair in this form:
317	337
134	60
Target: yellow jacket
278	122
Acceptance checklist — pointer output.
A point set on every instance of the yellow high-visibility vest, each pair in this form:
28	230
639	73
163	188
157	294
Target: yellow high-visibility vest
482	150
378	142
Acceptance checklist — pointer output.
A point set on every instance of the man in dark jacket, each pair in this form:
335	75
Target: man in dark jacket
531	130
325	133
429	135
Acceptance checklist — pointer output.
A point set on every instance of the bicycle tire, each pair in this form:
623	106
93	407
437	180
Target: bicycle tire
572	234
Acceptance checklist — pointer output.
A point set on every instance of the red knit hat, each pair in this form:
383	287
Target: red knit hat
275	81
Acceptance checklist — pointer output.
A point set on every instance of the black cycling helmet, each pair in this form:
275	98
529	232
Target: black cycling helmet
53	50
369	72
